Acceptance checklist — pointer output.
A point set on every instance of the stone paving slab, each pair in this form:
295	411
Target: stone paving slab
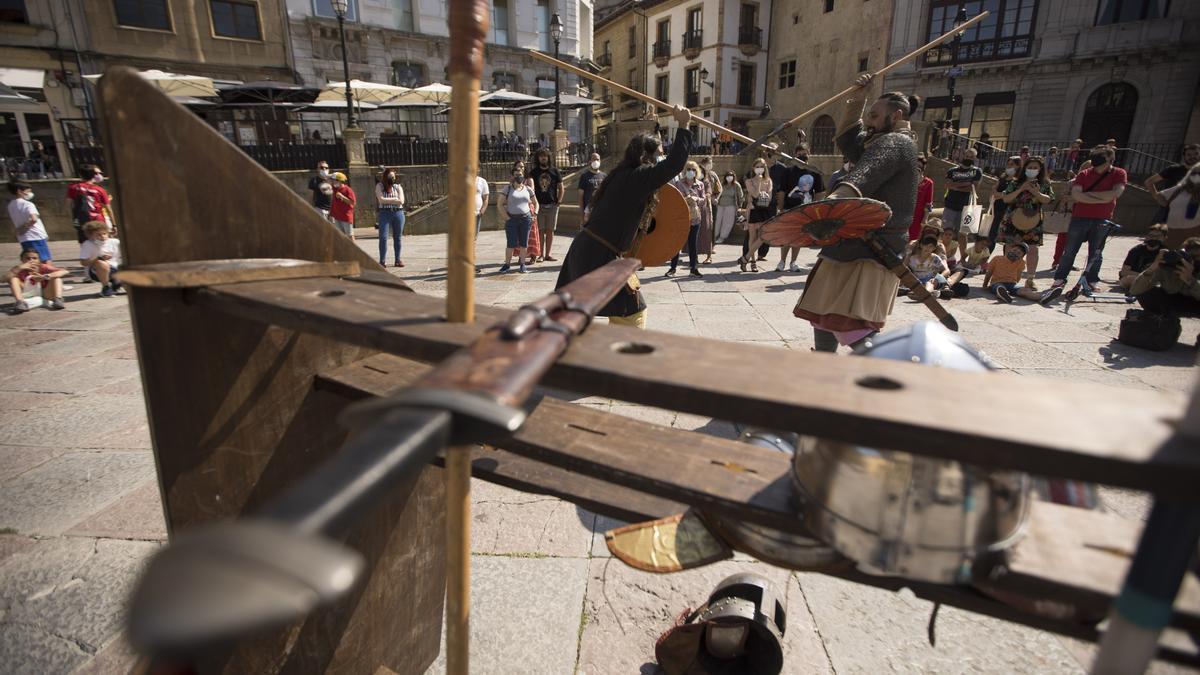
49	499
17	459
136	515
102	421
508	522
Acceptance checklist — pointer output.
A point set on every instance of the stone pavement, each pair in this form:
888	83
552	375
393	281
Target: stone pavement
80	506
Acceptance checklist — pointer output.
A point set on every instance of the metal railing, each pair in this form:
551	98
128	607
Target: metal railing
383	129
705	141
662	49
750	35
604	60
693	40
295	156
406	151
1139	160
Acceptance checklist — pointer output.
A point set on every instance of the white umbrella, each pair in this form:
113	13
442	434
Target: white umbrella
364	92
436	93
568	101
506	98
8	95
338	104
174	84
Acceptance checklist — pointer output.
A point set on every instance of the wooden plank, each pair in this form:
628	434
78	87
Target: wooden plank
1126	438
233	415
211	272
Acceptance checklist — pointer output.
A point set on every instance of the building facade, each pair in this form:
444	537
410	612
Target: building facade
817	48
406	42
1048	71
620	55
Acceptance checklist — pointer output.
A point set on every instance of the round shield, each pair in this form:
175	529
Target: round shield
826	222
668	229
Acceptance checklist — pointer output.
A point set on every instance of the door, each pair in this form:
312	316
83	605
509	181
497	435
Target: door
1109	114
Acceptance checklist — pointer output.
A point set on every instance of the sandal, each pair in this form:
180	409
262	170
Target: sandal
753	266
742	263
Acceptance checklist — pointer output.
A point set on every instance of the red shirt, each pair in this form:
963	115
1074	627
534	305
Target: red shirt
95	199
43	269
924	199
339	209
1085	180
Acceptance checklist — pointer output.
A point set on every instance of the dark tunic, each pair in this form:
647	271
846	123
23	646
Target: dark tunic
885	168
615	219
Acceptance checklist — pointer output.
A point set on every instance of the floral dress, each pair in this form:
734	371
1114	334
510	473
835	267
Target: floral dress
1029	206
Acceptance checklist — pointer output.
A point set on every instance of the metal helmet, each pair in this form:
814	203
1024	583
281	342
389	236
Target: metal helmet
895	513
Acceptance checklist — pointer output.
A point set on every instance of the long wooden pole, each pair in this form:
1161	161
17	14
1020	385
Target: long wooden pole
468	27
879	73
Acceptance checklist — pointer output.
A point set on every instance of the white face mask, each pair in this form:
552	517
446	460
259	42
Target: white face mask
758	171
323	172
28	196
1032	173
659	159
1010	171
846	166
595	164
1194	178
729	179
691	175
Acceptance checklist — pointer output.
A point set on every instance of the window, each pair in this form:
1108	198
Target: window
992	115
1006	33
864	63
633	80
409	74
749	15
13	11
500	22
662	87
1120	11
404	15
828	6
822	135
691	78
541	16
662	46
545	87
695	19
1109	113
325	8
143	14
745	90
235	19
787	74
504	81
632	42
934	109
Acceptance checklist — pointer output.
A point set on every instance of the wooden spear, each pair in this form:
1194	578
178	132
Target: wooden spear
468	21
879	73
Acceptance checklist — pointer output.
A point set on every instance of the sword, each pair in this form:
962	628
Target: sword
889	259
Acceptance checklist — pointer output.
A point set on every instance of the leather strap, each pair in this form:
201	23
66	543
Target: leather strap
603	242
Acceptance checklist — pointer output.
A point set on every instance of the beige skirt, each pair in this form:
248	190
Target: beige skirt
860	290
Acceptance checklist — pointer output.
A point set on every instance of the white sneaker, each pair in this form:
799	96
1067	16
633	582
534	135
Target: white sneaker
779	267
795	267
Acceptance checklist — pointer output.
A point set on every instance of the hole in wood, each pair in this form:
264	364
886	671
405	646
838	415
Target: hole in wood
330	293
632	348
878	382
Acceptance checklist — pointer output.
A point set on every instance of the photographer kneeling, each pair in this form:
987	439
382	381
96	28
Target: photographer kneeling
1169	285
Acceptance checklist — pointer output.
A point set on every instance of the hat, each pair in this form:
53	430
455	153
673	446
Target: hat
340	177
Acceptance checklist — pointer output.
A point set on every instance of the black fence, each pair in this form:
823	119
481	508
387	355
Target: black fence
295	156
1140	160
406	152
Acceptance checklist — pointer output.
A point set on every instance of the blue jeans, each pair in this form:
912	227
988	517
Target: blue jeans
392	219
691	248
1091	230
516	230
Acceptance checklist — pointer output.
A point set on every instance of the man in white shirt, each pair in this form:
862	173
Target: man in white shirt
482	194
27	221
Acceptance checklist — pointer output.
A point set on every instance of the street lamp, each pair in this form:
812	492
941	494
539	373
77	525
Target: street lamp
704	77
340	7
959	20
556	31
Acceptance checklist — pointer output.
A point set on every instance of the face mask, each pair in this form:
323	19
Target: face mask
729	179
659	159
323	172
1194	178
968	162
28	196
1098	159
595	165
1032	173
1013	256
691	175
1010	171
517	177
758	171
1153	243
846	166
98	179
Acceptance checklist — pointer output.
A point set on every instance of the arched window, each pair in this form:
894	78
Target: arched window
822	135
1109	113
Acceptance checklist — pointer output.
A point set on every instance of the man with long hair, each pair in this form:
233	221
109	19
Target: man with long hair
619	206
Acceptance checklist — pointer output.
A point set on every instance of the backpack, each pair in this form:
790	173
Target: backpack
79	207
1156	332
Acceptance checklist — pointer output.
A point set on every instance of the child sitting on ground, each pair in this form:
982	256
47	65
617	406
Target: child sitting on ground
33	270
101	256
1005	271
927	266
973	263
949	242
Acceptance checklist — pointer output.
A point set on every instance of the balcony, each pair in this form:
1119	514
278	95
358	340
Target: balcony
749	40
662	53
604	61
692	42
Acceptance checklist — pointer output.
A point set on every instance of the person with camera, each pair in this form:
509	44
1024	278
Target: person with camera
1140	256
1169	285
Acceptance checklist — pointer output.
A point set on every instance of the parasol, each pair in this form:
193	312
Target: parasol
362	91
174	84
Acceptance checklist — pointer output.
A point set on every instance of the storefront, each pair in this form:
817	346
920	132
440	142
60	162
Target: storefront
30	119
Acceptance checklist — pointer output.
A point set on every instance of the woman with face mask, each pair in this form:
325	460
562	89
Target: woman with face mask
389	202
519	204
706	236
695	191
1183	208
730	203
1025	196
1004	183
535	242
759	191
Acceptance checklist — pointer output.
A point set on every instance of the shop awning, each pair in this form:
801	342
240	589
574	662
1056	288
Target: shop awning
23	78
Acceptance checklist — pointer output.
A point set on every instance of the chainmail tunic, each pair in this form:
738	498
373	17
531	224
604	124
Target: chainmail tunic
885	168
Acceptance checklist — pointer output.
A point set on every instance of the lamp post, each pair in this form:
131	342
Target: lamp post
340	7
556	31
959	19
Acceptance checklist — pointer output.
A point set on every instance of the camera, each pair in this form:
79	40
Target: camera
1172	258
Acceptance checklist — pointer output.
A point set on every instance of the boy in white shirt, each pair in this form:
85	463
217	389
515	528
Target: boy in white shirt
101	256
27	221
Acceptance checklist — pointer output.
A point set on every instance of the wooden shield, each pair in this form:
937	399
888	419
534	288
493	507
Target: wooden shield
826	222
668	229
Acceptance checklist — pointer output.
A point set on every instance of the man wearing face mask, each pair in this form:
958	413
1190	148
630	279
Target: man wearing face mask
960	183
849	294
549	189
322	199
1095	192
589	180
27	221
88	201
1140	256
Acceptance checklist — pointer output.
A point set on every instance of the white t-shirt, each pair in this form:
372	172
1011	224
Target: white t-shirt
481	190
90	249
20	211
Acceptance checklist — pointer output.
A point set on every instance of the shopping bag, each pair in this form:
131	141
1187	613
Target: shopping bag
972	216
1056	219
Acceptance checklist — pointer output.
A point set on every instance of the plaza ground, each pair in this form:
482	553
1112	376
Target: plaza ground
80	509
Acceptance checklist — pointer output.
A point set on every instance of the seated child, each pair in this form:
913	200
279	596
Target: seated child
949	242
973	263
1142	255
32	269
1004	272
101	256
931	228
925	263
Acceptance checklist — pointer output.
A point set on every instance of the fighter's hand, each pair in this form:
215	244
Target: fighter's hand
682	115
864	79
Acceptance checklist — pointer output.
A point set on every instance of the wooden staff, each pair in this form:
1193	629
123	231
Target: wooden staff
882	71
648	99
468	21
